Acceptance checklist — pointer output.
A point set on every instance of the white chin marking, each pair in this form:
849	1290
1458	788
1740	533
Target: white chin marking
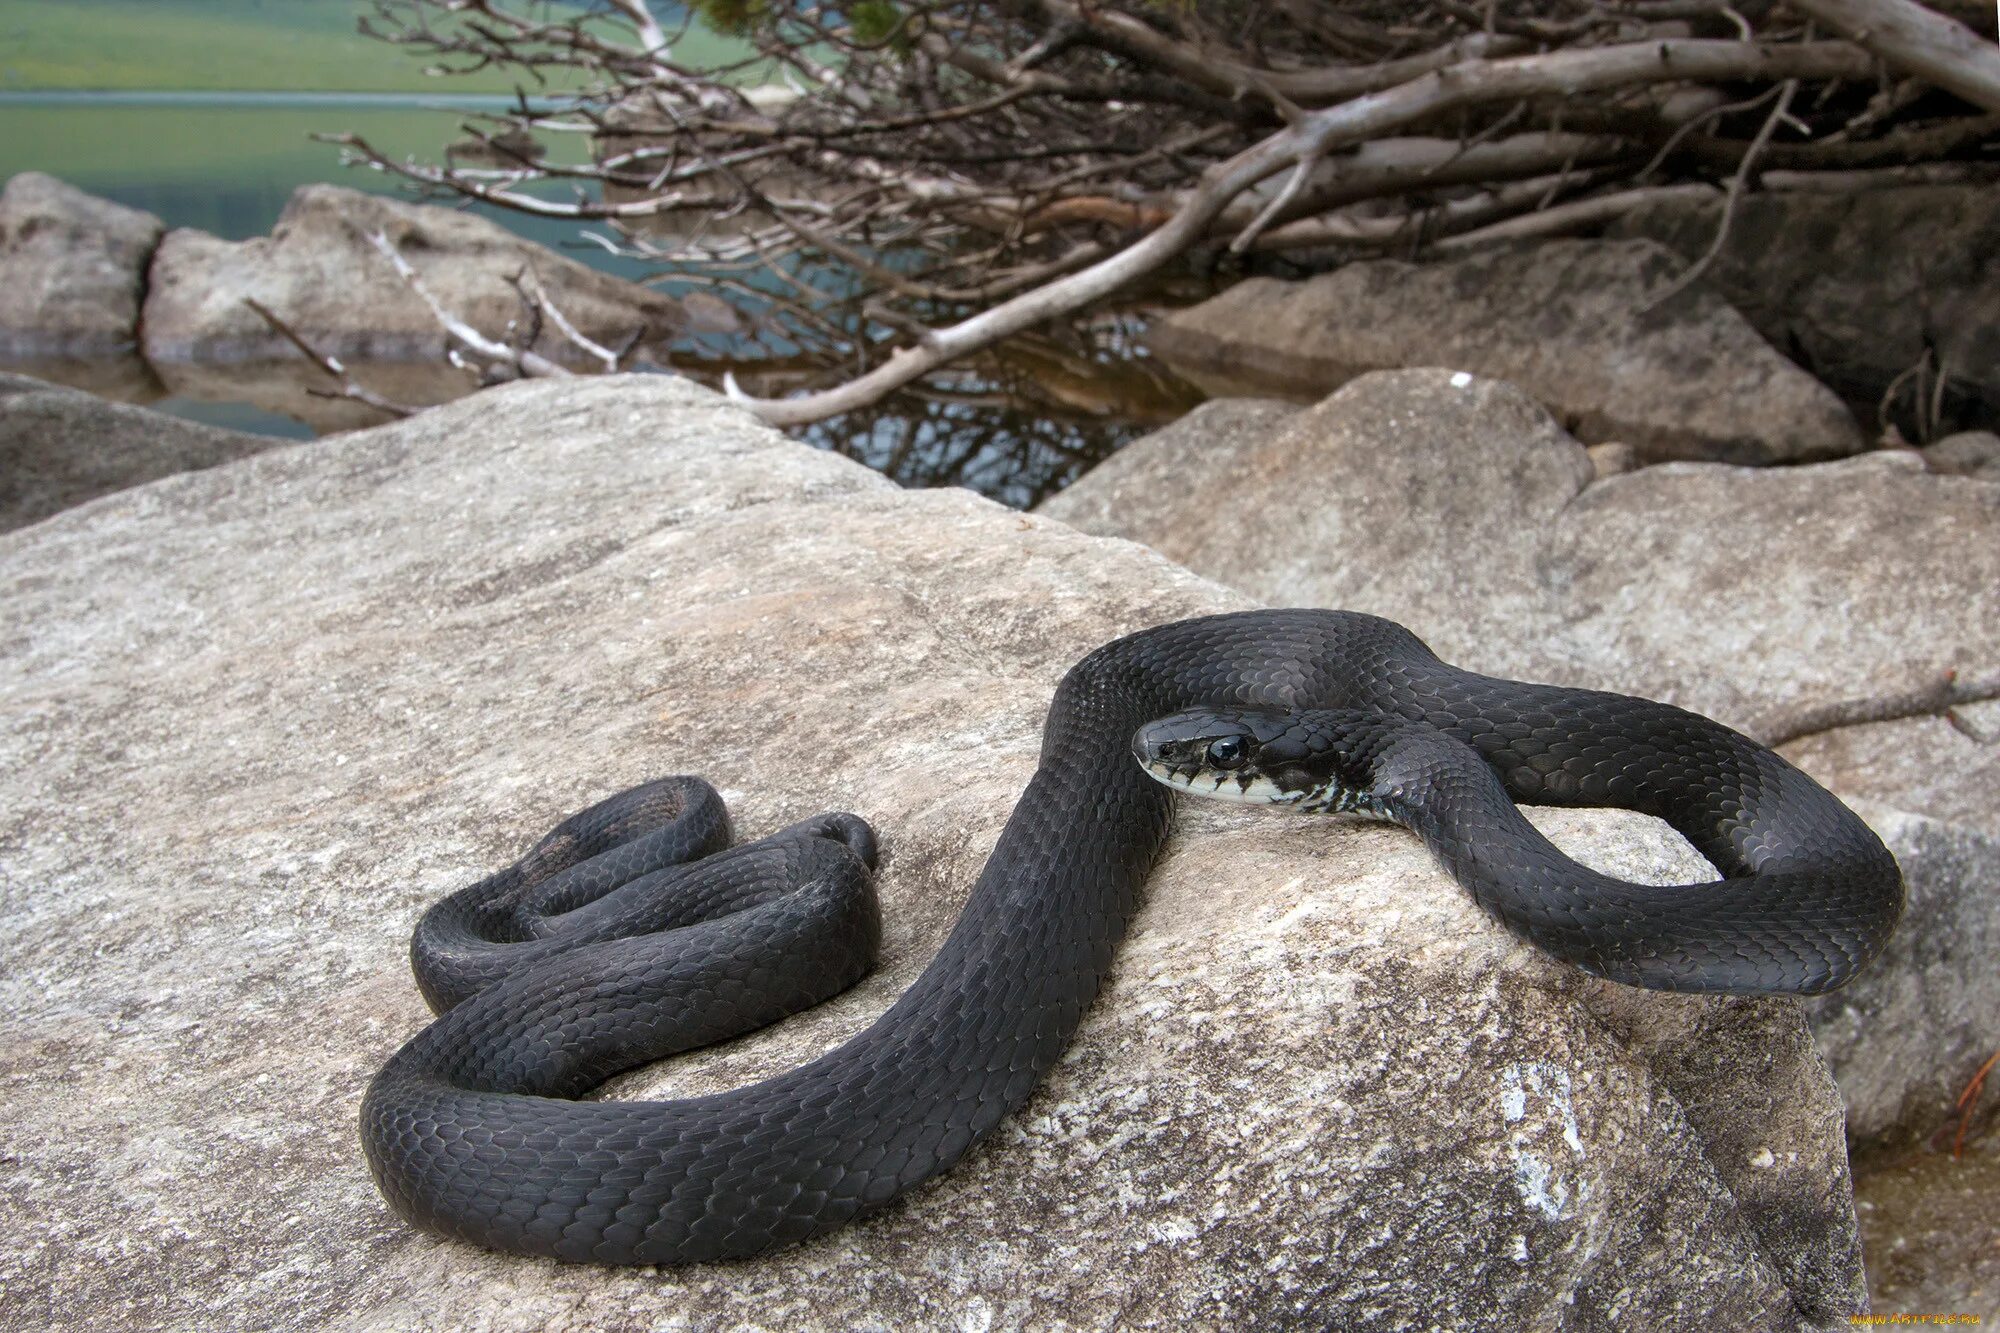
1224	787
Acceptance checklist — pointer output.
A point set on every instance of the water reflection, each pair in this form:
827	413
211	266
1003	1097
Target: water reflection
1016	425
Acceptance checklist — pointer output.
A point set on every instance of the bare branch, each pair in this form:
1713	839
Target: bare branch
1293	184
1462	85
1577	215
332	365
1033	156
540	294
1786	90
527	361
1937	49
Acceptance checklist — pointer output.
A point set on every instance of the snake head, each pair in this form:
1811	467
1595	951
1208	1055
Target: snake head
1317	761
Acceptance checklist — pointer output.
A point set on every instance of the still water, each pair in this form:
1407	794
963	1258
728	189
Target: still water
1020	425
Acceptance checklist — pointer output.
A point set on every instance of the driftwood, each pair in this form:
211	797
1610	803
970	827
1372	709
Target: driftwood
983	168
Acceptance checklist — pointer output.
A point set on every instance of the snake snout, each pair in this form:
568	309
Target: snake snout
1229	754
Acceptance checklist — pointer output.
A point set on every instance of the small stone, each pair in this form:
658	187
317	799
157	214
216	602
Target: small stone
59	447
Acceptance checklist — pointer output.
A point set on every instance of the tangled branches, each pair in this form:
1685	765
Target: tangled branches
896	184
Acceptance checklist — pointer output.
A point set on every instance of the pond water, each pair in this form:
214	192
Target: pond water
1017	426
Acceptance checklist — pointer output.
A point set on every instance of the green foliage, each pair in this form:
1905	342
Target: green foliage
733	18
875	21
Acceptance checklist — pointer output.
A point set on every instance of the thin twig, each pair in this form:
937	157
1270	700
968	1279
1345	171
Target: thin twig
1968	1101
1293	184
332	365
1729	199
541	296
525	360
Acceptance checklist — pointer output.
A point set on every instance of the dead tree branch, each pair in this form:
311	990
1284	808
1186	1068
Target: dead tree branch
1455	86
1919	41
891	187
524	360
349	386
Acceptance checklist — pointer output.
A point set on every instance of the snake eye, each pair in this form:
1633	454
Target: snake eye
1227	752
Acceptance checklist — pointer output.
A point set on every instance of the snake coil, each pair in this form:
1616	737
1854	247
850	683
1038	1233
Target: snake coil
469	1129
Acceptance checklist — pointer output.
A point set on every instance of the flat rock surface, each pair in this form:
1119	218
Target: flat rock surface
256	717
318	271
1580	325
72	269
60	447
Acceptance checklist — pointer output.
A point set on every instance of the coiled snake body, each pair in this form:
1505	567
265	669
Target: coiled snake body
468	1130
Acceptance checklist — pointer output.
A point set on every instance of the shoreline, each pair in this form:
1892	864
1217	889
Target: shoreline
253	98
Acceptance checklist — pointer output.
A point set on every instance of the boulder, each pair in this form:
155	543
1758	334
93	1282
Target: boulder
59	447
1395	477
1906	1037
72	270
318	272
1774	599
1215	441
1806	268
256	717
1568	321
1784	600
1849	609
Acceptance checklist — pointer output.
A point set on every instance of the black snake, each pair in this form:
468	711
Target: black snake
469	1128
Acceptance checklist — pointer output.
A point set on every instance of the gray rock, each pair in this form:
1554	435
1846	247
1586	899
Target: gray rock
1565	320
1806	268
1907	1034
1945	765
59	447
72	270
1778	598
1969	453
256	717
1389	497
319	273
1214	442
1840	605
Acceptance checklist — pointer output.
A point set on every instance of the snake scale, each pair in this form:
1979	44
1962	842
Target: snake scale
608	947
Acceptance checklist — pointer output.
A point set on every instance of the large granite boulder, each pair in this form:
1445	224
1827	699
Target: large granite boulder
1850	610
318	272
1569	321
1390	475
256	717
59	447
1812	272
72	270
